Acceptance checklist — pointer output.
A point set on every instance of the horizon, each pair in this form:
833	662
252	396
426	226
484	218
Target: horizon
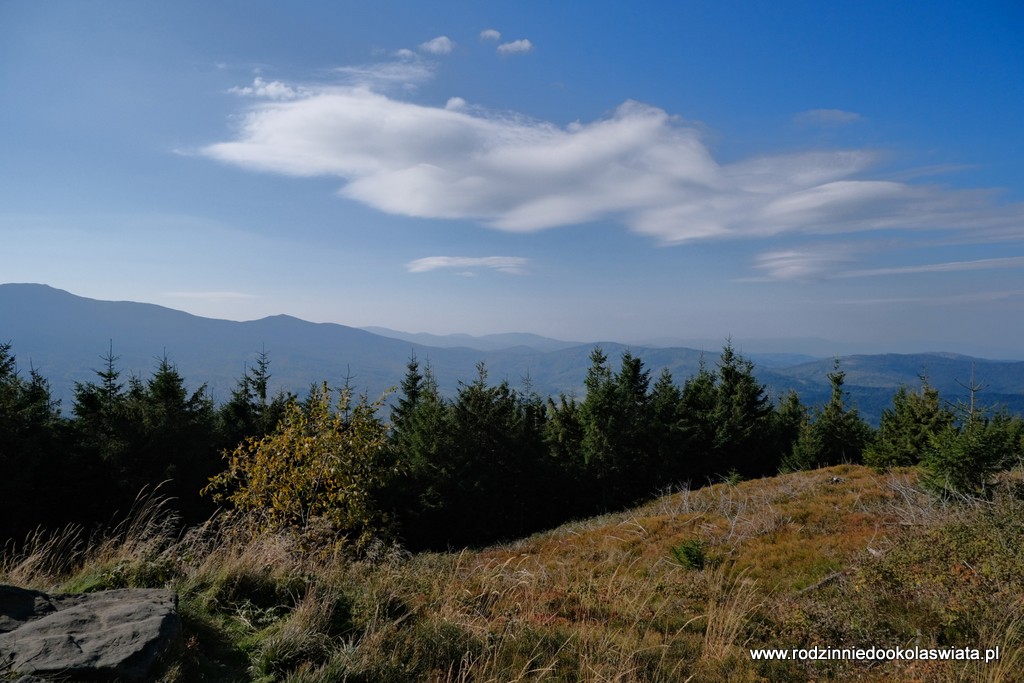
576	171
818	348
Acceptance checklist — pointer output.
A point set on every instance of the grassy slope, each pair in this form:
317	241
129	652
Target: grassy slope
838	557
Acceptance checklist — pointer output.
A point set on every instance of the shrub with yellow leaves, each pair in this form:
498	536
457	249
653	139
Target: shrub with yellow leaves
320	467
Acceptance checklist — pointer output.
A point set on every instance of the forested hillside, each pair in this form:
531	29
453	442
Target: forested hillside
492	462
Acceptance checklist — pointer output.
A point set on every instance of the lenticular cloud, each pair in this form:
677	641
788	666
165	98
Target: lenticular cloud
638	166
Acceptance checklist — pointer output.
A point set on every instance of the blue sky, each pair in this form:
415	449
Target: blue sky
583	170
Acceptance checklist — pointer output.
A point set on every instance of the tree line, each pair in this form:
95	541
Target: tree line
122	436
493	462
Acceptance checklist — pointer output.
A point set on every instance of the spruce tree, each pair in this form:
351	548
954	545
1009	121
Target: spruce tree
909	428
179	442
411	388
617	446
563	437
596	412
421	440
670	457
787	421
633	434
742	418
152	432
38	479
699	402
963	460
251	410
965	455
100	413
835	435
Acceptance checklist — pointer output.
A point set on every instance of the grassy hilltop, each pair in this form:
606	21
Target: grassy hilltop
678	589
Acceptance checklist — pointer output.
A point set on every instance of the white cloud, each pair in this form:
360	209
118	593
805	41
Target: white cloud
802	264
272	90
490	34
515	47
640	166
827	117
948	267
1012	295
442	45
830	262
512	265
406	72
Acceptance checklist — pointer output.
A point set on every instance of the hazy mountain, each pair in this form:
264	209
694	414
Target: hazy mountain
811	348
808	348
65	337
487	342
872	378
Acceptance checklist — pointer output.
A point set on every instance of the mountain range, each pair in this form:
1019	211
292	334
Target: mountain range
66	337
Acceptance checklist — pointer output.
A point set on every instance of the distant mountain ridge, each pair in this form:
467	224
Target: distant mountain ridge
65	337
487	342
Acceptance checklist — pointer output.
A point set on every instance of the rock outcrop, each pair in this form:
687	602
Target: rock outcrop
108	635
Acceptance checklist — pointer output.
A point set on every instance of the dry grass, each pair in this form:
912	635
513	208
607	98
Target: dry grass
43	557
49	558
835	557
733	599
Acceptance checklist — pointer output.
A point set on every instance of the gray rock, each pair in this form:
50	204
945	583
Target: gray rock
97	636
18	605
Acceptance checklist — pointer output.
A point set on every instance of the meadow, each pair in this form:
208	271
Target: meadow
678	589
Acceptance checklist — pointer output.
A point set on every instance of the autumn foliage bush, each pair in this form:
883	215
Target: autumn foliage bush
321	467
